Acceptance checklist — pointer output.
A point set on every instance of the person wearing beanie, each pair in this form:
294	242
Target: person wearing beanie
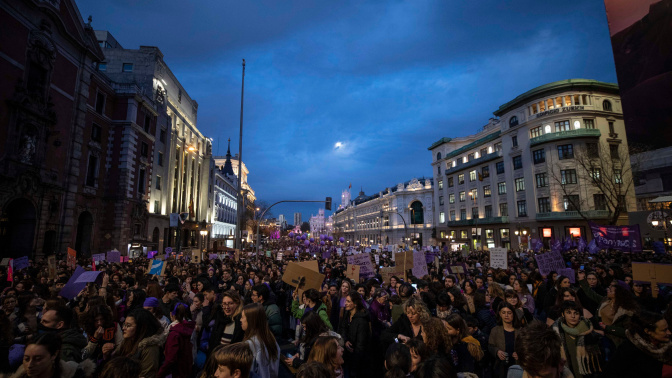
151	304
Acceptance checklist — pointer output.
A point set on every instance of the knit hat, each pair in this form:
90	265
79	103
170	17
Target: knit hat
151	302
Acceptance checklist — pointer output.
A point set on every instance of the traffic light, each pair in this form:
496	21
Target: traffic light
327	203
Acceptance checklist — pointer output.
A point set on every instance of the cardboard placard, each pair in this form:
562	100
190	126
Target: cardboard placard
51	267
196	256
311	264
72	259
419	264
300	276
404	259
653	273
498	258
364	261
387	273
352	273
457	269
157	267
5	261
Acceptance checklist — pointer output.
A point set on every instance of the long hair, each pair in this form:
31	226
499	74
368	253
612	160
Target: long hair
257	325
325	351
53	343
516	321
89	319
314	326
397	361
510	293
146	325
457	323
154	290
121	367
623	298
357	300
560	298
235	297
139	297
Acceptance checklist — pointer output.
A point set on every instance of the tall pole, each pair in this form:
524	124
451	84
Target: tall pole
241	211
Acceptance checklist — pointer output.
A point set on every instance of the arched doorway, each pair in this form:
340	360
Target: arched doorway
417	213
84	234
17	229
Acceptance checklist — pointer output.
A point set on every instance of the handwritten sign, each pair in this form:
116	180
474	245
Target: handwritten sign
279	256
387	273
550	261
404	259
653	273
113	256
569	273
364	261
352	272
98	257
498	258
419	264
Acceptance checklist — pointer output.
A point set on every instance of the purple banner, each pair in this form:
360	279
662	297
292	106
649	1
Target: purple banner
623	238
326	255
20	263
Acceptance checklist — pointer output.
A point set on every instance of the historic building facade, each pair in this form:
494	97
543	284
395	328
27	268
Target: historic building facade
403	214
224	213
535	171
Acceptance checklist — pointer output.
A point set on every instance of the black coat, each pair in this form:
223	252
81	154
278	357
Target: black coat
630	361
221	321
401	327
357	331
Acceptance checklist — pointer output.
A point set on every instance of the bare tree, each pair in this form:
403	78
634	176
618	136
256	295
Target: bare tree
603	171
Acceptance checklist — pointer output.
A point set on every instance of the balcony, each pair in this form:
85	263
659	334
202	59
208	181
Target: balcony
566	215
576	133
483	159
479	221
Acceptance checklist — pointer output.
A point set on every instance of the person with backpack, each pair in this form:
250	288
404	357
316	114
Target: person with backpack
312	303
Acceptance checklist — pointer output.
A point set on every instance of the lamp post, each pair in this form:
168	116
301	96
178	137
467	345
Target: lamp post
239	198
404	220
473	197
520	231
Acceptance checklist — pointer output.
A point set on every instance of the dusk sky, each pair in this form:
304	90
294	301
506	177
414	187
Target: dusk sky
384	78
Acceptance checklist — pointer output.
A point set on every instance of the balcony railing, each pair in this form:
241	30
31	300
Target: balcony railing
479	221
483	159
562	215
576	133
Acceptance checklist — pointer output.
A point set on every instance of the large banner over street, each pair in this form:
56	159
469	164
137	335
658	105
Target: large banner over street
623	238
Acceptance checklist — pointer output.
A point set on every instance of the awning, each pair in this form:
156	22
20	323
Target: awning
661	199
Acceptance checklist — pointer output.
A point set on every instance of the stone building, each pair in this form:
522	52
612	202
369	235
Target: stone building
524	174
224	212
402	214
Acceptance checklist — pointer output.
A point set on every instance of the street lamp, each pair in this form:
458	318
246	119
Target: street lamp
473	197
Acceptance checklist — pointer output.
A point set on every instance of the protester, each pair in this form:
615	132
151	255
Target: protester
398	361
539	352
143	340
260	339
355	329
580	343
41	358
178	352
328	352
502	339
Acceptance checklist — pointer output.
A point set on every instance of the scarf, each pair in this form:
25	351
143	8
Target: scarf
474	347
587	357
660	353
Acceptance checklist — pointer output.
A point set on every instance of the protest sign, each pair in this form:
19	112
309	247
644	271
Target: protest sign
87	277
364	261
279	256
113	256
419	264
465	252
123	258
457	269
71	289
377	258
98	257
326	255
569	273
51	267
5	261
653	273
387	273
404	259
195	256
498	258
72	258
151	254
311	264
623	238
550	261
300	276
352	272
367	250
20	263
157	267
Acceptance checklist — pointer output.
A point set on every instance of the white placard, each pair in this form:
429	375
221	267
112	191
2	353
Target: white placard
498	258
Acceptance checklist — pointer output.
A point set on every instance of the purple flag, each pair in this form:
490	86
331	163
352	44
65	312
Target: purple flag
567	245
592	247
556	246
582	245
536	245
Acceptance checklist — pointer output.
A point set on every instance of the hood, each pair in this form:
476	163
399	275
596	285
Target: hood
73	337
186	328
157	340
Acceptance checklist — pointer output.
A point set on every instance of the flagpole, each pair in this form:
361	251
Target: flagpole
240	210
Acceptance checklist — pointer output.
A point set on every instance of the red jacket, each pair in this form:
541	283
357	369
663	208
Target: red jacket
178	358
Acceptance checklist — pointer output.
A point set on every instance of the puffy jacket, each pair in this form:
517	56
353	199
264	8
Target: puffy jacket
178	353
73	344
274	318
148	353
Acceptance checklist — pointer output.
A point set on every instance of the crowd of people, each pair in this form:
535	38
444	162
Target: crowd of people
234	316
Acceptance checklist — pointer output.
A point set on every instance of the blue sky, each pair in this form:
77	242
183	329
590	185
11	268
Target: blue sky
384	78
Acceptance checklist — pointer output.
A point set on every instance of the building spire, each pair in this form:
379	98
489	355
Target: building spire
228	149
228	167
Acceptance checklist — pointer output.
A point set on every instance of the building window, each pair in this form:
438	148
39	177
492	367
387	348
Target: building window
486	191
589	123
100	103
462	196
452	215
127	67
473	176
485	171
463	234
613	151
95	133
514	141
568	176
450	182
488	211
92	172
504	233
522	208
541	179
474	213
440	200
148	122
593	150
600	201
158	182
618	179
520	184
611	129
451	198
438	156
503	209
160	159
141	181
438	169
606	105
442	217
473	194
498	146
596	174
102	66
484	151
440	184
535	132
544	205
562	126
499	167
513	121
463	214
539	156
571	203
517	162
501	188
157	207
565	151
144	149
460	179
162	135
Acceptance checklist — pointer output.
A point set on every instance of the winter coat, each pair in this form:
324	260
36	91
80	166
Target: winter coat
178	354
274	318
486	320
94	348
73	344
260	365
357	331
320	309
148	353
401	327
379	313
497	342
69	369
217	330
